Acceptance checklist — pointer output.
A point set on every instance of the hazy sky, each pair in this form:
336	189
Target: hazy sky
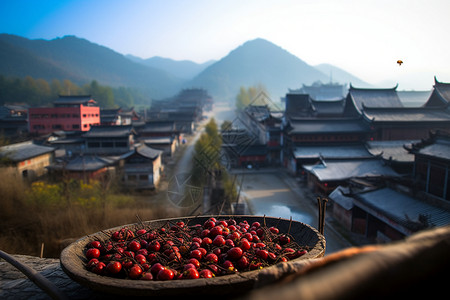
365	38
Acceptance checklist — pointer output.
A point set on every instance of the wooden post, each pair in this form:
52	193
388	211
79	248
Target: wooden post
42	250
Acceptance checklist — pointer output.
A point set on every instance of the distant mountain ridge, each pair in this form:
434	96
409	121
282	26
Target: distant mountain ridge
80	61
262	62
255	62
184	69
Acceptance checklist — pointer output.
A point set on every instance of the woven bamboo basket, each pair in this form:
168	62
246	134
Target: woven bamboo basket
73	262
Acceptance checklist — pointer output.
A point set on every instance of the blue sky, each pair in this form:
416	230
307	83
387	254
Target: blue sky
363	37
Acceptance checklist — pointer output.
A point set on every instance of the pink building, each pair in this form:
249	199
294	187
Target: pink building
70	113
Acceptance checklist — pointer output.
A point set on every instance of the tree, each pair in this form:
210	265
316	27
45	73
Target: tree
226	125
242	99
102	94
247	96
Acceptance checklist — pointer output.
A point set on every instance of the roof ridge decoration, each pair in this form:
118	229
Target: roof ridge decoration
437	82
374	89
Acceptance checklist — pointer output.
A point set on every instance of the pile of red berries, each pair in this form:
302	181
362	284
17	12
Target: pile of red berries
182	251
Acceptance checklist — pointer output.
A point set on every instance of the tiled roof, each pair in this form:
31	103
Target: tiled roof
338	170
404	209
338	196
394	150
327	126
331	151
107	131
439	149
335	107
363	97
22	151
406	114
87	163
148	151
160	126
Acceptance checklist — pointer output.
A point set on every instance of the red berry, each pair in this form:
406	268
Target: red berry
135	272
140	259
212	258
214	268
147	276
274	230
114	267
229	243
262	254
96	244
92	253
156	268
92	263
244	244
205	273
195	262
284	239
154	246
234	253
141	232
218	241
165	274
188	266
228	265
99	268
206	242
256	224
191	274
196	254
243	262
209	224
215	231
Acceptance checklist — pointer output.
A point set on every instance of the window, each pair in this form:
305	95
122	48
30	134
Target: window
84	115
75	115
143	177
108	144
93	145
121	144
57	126
75	126
85	126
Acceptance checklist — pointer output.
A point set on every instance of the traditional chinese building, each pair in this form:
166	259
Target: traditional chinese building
26	159
142	168
432	166
109	140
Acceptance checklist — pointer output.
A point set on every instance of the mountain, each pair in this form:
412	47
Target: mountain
257	62
80	61
184	69
338	75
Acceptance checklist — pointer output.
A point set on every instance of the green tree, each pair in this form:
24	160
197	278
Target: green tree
246	96
102	94
242	99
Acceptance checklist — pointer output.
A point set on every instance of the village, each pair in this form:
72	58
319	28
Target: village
383	166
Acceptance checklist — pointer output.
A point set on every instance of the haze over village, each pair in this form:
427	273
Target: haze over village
332	114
